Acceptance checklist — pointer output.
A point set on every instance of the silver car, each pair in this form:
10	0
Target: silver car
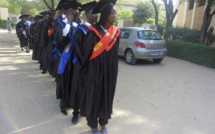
140	43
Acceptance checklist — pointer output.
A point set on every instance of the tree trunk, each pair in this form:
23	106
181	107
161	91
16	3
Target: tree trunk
47	4
156	12
206	23
52	4
170	15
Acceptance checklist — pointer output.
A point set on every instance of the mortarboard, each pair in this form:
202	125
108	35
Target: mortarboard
89	6
65	4
44	13
102	4
23	16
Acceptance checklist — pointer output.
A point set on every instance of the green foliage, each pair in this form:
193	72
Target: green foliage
143	11
3	24
123	14
183	34
160	29
150	21
162	18
196	53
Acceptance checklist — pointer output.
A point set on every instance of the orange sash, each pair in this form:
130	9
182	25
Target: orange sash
106	42
51	30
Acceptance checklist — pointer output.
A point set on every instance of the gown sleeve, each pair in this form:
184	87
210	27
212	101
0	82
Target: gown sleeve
78	44
44	36
88	45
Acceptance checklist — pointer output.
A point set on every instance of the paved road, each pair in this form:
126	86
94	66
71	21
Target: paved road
174	97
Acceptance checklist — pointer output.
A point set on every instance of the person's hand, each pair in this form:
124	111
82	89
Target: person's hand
69	15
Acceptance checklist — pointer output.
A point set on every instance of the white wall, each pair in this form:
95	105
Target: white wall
3	13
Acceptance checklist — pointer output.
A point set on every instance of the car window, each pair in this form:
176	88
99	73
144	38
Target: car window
149	35
125	34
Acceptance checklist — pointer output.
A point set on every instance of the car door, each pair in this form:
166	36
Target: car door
124	40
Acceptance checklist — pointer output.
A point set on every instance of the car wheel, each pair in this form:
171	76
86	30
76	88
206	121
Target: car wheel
157	60
129	57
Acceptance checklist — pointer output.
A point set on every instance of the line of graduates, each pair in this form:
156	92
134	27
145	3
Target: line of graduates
82	56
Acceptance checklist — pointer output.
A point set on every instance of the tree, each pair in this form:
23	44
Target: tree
143	11
208	15
156	11
170	14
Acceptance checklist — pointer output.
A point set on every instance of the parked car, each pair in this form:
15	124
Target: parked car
140	43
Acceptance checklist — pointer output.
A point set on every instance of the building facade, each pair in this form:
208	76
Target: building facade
190	15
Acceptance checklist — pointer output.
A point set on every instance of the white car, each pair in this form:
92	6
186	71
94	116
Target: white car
140	43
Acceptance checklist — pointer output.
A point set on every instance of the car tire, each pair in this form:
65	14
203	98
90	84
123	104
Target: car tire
157	60
129	57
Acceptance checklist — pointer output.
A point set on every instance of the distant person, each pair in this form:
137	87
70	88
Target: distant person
9	25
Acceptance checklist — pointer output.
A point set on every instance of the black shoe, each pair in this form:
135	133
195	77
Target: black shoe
63	111
22	49
75	119
44	71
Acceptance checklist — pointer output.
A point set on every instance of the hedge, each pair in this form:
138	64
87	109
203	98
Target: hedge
3	24
185	35
196	53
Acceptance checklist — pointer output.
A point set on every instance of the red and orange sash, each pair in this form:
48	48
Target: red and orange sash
50	31
106	42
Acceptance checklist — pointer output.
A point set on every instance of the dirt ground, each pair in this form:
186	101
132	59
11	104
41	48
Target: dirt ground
174	97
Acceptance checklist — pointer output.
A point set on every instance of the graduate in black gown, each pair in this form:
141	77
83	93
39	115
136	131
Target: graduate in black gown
57	26
34	31
46	37
77	81
101	64
24	33
30	33
19	30
39	35
48	62
64	38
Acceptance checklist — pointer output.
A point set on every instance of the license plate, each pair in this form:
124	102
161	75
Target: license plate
156	53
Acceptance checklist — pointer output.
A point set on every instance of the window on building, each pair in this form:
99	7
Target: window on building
191	5
202	3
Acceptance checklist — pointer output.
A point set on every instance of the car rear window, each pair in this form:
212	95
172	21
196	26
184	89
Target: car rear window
149	35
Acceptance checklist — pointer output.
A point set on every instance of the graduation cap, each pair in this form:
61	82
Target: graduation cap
102	4
65	4
89	6
23	16
44	13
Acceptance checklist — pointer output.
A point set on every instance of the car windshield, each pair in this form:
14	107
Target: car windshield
149	35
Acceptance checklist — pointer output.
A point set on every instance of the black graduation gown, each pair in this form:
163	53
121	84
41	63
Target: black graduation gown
31	38
101	78
44	40
35	54
19	32
40	41
57	31
64	80
77	80
24	36
48	61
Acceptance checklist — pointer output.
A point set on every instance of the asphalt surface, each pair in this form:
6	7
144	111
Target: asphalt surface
174	97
